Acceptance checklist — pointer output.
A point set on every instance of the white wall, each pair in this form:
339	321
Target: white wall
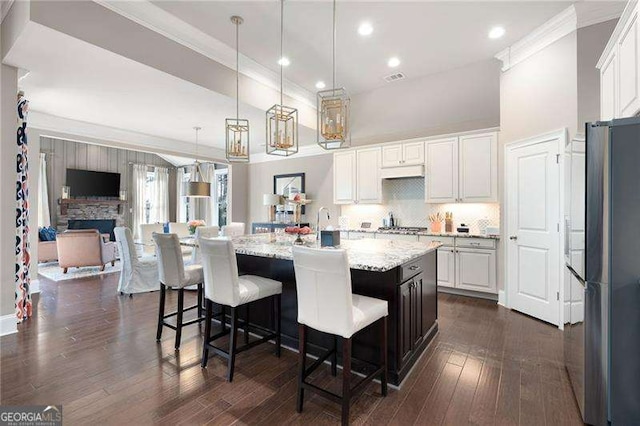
457	100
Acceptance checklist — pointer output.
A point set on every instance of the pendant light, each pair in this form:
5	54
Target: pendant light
333	109
237	128
197	187
282	121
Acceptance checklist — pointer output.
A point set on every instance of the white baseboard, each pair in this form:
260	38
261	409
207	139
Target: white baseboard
35	286
468	293
502	298
8	324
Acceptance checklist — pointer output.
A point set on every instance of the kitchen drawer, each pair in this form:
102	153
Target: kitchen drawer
484	243
446	241
411	269
402	237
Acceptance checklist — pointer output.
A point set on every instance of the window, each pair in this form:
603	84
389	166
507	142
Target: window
149	191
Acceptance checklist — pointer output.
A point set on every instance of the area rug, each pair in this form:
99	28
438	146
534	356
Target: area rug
54	272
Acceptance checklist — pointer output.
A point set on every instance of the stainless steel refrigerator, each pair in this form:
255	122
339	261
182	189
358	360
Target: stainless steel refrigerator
602	332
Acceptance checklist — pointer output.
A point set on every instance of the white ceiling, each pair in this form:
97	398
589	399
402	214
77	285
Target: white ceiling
72	79
428	37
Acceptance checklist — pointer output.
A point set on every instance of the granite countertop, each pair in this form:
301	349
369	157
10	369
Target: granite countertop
369	255
423	232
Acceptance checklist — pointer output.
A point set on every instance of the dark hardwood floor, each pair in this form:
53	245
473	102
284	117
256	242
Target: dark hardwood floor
94	352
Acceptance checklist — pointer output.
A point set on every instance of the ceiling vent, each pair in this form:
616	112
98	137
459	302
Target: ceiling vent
394	77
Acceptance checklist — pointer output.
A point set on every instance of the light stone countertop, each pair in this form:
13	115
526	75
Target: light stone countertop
424	233
368	255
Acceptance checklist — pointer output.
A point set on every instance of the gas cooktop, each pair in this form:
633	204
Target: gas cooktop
403	229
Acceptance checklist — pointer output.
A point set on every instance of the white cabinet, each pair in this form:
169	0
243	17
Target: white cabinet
392	155
396	237
446	267
620	68
476	270
478	168
441	174
368	181
462	169
344	177
628	96
403	154
608	88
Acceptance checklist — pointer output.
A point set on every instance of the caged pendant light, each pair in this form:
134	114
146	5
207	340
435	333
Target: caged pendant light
333	109
196	186
282	121
237	134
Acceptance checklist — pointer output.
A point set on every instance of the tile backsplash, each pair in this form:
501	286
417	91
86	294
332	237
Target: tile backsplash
405	198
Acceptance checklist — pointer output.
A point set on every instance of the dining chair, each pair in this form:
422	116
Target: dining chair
138	275
326	304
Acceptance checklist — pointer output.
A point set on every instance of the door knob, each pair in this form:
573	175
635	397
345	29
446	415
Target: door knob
513	237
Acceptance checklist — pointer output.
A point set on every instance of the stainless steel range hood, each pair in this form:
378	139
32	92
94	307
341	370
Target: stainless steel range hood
402	172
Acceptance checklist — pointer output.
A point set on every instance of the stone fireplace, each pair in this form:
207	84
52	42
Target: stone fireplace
81	213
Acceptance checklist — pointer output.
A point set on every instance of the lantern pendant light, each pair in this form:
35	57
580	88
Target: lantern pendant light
197	187
333	109
282	121
237	135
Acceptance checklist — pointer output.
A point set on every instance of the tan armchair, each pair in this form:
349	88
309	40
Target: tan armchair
84	248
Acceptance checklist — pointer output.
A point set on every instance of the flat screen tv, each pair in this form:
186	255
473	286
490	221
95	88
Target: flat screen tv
86	183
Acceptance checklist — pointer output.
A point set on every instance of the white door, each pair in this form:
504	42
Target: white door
441	174
392	155
368	181
413	153
533	224
446	267
476	270
479	168
344	177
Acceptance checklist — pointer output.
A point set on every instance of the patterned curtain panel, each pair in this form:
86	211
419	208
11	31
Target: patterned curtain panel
23	260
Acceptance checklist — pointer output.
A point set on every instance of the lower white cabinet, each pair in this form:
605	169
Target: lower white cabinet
402	237
446	267
476	270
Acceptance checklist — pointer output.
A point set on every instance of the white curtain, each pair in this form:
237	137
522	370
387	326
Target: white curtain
181	211
44	218
160	198
137	197
207	205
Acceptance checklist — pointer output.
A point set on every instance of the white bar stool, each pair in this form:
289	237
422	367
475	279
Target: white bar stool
222	285
326	304
173	273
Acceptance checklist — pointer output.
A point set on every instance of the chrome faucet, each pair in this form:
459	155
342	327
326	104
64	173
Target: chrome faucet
318	221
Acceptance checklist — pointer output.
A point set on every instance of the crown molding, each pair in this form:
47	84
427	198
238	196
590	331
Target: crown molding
145	13
551	31
5	6
622	22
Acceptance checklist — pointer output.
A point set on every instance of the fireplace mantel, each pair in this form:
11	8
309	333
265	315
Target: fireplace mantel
64	203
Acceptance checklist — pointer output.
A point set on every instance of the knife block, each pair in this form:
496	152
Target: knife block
448	225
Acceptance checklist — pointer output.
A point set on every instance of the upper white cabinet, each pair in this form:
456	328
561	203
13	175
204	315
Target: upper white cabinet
344	177
441	174
403	154
356	176
478	168
620	68
368	181
462	169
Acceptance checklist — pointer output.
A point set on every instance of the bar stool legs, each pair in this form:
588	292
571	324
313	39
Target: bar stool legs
179	314
348	391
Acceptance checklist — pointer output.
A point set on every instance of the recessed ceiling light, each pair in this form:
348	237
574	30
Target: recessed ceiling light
365	29
496	32
284	61
393	62
320	85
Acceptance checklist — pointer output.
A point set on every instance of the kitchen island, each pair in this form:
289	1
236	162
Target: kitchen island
400	272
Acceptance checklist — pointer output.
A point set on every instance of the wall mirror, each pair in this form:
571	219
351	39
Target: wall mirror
292	183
